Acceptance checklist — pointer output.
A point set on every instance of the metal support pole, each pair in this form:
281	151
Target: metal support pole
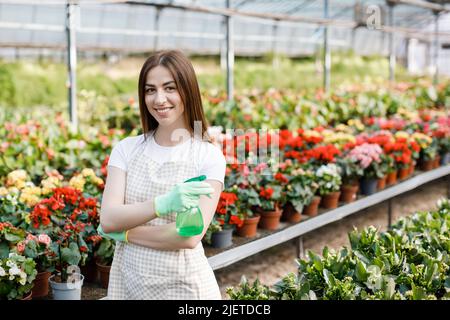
327	56
72	62
391	44
156	28
230	55
300	251
436	48
389	212
275	61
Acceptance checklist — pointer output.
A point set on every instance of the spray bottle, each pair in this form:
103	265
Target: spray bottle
190	221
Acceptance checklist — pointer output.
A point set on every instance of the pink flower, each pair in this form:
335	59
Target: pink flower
260	167
21	247
30	237
44	239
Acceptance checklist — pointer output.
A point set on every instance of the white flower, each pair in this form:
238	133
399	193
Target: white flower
2	272
14	271
23	278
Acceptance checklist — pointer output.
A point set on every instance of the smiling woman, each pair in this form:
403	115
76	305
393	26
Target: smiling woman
146	188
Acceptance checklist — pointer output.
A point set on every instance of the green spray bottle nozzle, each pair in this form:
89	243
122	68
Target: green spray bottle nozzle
199	178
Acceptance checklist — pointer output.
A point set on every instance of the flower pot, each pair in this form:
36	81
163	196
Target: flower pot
103	272
437	161
29	296
427	165
403	173
391	178
290	214
412	167
248	229
348	192
89	271
67	290
368	186
222	238
331	200
381	183
313	208
270	219
445	159
40	284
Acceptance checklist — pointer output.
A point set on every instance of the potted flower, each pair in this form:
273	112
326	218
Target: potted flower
299	192
270	195
386	166
104	255
428	150
351	172
64	207
70	250
39	249
224	222
242	181
367	155
17	273
311	200
441	132
329	180
10	236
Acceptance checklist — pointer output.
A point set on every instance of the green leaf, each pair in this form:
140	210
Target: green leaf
4	250
418	293
71	255
329	278
361	272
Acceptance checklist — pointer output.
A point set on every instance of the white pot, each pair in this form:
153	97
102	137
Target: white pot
67	290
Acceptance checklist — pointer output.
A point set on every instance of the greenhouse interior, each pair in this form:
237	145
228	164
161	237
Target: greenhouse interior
323	163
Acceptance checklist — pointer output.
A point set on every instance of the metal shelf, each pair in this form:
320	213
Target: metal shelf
230	256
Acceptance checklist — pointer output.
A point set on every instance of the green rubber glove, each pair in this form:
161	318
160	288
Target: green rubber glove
183	196
117	236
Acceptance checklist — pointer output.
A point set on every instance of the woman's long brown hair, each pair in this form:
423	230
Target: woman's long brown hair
186	81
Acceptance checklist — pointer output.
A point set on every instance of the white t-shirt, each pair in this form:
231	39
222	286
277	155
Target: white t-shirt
211	161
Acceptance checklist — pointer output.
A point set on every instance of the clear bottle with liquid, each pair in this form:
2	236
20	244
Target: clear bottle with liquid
189	222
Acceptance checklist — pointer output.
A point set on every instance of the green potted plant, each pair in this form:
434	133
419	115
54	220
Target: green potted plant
367	155
329	180
67	282
17	274
351	172
39	249
104	255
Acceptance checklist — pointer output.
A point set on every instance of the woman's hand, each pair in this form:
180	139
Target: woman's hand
181	197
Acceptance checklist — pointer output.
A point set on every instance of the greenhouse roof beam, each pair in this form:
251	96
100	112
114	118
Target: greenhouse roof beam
422	4
417	33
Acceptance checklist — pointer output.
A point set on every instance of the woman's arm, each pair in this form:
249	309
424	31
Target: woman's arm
112	217
165	237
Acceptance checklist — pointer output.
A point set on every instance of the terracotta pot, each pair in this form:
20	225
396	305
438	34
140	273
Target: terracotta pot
313	208
248	229
331	200
40	284
391	178
103	272
437	161
89	271
290	214
29	296
348	192
403	173
270	219
381	183
412	167
427	165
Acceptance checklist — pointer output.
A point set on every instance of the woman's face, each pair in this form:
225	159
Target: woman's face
162	98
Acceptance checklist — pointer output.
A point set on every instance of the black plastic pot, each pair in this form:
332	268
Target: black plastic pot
368	186
222	239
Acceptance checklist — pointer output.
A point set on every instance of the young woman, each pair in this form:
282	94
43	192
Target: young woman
145	189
